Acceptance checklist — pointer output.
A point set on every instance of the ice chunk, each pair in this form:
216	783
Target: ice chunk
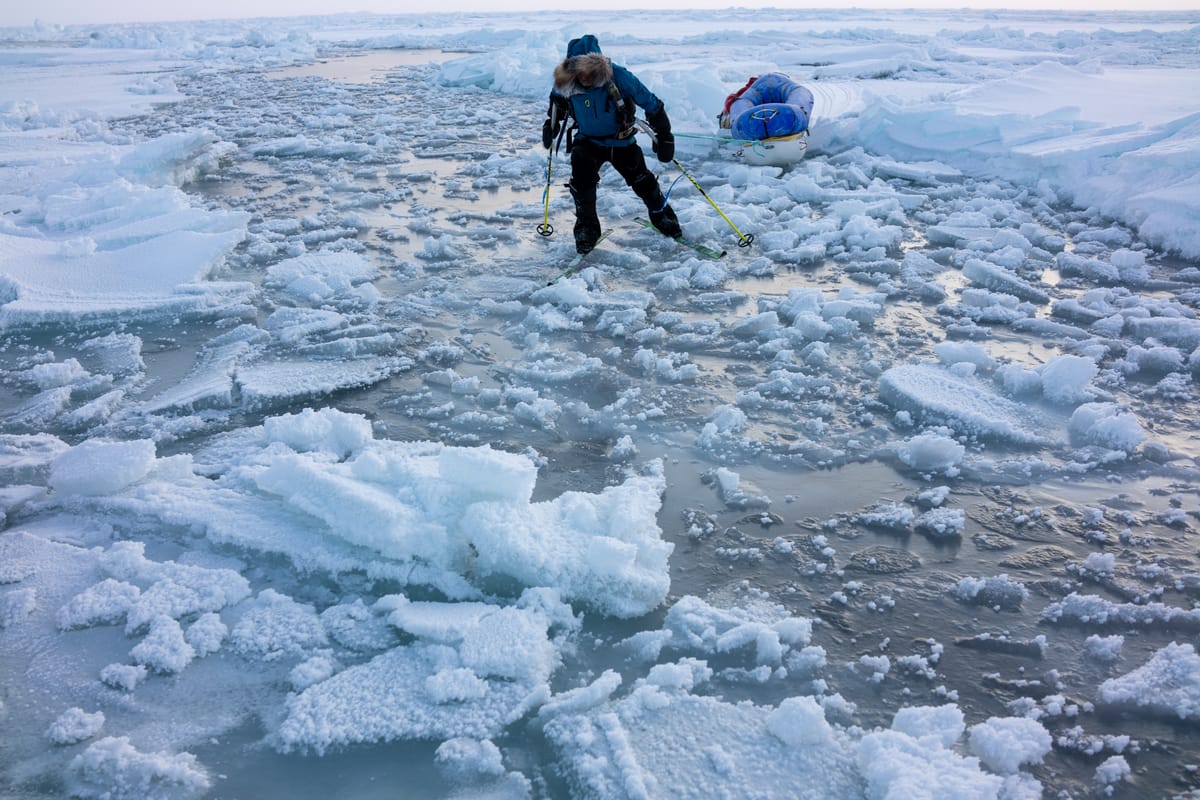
276	626
164	649
157	273
206	634
1006	743
1095	610
1105	649
895	765
321	277
645	746
799	722
510	643
463	759
123	676
75	725
941	523
1107	425
444	623
931	452
311	671
997	591
389	698
16	605
962	403
113	769
942	725
362	513
575	701
701	627
455	685
1113	769
104	603
510	477
1168	685
1065	379
892	516
1000	279
958	352
604	550
327	430
96	467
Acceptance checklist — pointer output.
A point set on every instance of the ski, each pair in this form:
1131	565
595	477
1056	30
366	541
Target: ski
702	249
576	262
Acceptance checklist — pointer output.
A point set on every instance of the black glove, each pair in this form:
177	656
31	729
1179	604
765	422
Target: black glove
555	114
664	147
664	142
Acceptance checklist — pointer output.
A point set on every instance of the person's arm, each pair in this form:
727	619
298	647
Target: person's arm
656	111
664	140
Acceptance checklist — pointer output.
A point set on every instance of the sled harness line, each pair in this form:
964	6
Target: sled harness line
753	144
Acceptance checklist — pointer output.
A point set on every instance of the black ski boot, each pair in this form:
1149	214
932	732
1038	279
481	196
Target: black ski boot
665	220
662	216
587	223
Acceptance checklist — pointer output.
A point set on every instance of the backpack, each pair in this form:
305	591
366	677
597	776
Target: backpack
602	113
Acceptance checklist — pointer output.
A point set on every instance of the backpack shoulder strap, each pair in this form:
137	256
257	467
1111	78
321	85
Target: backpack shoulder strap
626	113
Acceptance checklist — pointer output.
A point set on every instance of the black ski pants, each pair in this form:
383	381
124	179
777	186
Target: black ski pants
587	158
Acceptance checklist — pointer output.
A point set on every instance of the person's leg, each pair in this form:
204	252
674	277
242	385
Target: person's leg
586	160
631	164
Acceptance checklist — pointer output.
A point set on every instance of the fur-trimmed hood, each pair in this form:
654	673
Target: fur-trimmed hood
596	68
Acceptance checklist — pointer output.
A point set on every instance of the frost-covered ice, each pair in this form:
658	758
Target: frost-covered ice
114	768
74	726
1168	684
307	471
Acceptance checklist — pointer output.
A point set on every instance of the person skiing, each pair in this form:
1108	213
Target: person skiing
600	97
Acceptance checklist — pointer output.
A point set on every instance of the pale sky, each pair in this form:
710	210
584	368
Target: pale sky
67	12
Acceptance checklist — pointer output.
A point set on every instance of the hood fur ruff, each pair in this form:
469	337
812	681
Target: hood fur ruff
566	74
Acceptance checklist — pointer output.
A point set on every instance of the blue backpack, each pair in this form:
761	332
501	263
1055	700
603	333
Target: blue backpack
603	113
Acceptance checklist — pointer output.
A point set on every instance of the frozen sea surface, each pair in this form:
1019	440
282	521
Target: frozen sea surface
312	484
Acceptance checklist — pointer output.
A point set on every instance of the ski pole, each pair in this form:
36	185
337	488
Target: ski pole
744	239
546	229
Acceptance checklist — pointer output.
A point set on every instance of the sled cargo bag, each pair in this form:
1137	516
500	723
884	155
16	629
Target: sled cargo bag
772	106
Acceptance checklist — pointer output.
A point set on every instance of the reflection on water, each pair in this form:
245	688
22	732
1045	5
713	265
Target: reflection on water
368	67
